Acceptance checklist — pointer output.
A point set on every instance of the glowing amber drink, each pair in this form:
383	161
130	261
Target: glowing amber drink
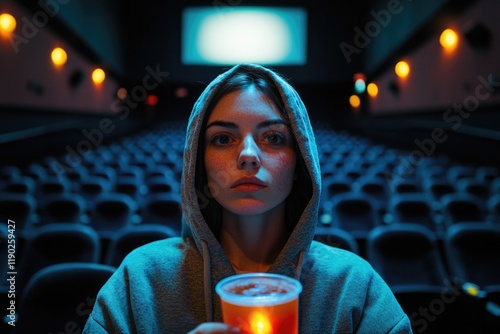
261	303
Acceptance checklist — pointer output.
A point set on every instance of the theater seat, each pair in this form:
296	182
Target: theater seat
355	213
494	209
473	252
412	208
112	211
336	237
20	208
21	185
472	186
462	207
93	186
57	243
333	186
131	237
3	252
62	208
60	297
164	209
406	255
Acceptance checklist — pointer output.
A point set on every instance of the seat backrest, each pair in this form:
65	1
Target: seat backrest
112	211
4	235
57	243
494	208
128	185
160	184
461	207
131	237
436	188
354	212
52	185
164	209
67	208
406	255
22	185
333	186
473	252
60	296
375	187
20	208
93	186
336	237
473	186
411	208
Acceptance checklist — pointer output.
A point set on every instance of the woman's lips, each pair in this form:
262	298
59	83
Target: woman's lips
248	184
248	187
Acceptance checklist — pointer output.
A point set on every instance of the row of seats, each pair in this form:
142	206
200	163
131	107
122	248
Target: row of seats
353	211
402	253
405	255
358	213
62	243
410	254
449	287
106	214
376	202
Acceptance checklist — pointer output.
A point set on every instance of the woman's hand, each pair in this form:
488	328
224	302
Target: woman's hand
215	328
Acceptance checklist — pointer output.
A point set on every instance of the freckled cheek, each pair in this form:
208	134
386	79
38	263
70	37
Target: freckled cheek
217	168
283	170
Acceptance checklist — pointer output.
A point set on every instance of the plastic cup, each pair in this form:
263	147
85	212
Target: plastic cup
260	303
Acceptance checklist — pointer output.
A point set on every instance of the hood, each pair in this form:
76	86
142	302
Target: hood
215	259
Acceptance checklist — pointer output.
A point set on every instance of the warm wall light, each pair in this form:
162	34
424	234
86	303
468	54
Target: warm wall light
448	39
98	76
402	69
59	56
355	101
372	89
7	23
121	93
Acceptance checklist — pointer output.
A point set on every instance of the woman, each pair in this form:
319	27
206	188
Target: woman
250	191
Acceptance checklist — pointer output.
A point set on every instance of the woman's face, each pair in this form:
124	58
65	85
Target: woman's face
249	154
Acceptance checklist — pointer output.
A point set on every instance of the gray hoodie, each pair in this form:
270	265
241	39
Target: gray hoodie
168	286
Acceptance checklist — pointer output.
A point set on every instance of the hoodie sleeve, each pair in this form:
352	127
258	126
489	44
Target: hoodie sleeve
111	313
381	312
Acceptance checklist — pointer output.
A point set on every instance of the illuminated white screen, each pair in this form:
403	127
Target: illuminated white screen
264	35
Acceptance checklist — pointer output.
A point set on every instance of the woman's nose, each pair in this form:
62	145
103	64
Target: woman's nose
249	154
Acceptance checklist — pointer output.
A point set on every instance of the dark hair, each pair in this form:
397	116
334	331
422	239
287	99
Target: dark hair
302	188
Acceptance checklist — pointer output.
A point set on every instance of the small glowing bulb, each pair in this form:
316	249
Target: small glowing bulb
360	86
372	89
152	100
98	76
402	69
7	23
121	93
59	56
355	101
448	39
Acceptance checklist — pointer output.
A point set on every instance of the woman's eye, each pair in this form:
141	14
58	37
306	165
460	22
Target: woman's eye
275	138
221	140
